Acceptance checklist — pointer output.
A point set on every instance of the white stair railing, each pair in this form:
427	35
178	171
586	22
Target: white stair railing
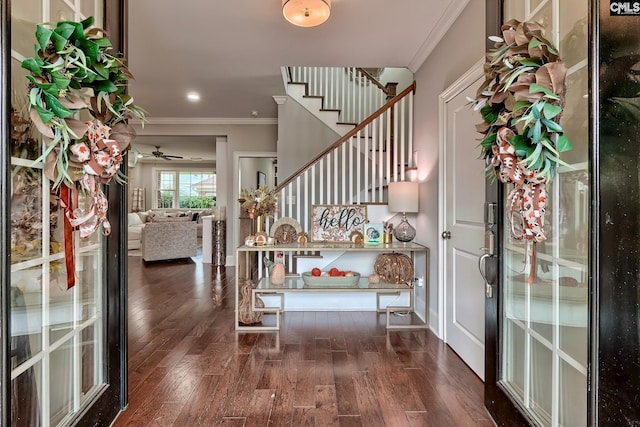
350	90
357	167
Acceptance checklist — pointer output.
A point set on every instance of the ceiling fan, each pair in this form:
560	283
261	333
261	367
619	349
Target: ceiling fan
160	155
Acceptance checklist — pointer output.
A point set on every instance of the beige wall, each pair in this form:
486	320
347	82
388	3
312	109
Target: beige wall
461	47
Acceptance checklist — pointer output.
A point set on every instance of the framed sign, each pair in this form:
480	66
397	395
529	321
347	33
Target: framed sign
335	223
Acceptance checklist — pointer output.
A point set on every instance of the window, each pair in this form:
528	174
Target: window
187	189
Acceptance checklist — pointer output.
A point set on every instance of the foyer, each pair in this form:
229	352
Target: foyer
189	367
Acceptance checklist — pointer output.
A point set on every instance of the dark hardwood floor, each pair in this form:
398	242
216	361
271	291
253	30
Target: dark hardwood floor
189	367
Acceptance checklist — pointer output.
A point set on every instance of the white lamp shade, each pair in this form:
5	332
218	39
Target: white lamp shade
403	196
306	13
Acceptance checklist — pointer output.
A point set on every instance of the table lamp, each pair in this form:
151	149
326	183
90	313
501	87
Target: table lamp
403	197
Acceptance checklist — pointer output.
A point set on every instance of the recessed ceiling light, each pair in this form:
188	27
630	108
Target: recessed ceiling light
193	96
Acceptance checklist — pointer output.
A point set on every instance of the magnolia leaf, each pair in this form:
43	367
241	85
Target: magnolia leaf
31	65
519	142
551	125
73	102
36	114
43	35
534	62
58	41
60	80
91	50
562	143
77	128
124	134
65	29
86	23
102	42
535	88
534	43
489	140
551	110
101	70
548	144
56	106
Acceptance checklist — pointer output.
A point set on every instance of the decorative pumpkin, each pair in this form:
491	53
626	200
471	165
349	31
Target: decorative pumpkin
246	314
394	268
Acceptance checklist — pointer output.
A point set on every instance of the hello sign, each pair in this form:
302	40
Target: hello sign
335	223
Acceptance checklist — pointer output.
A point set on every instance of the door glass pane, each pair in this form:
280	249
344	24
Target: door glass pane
544	334
26	213
25	404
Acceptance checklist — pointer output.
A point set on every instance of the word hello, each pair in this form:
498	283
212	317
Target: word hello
624	8
347	219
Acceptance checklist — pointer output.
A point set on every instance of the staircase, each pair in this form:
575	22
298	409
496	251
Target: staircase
375	146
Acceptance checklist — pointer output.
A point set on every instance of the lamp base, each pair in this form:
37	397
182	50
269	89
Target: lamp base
404	232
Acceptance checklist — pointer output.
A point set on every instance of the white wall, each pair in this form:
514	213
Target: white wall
301	136
459	49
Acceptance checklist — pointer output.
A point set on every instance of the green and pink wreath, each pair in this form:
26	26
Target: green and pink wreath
72	71
521	103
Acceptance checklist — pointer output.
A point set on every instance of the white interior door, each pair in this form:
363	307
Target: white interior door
462	222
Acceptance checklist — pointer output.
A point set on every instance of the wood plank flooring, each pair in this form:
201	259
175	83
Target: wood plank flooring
189	367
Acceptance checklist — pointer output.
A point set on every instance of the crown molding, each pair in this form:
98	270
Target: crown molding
445	22
207	121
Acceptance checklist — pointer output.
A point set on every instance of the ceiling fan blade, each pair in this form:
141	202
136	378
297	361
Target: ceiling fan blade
173	157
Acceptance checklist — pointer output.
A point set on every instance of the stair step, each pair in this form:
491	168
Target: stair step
336	110
347	123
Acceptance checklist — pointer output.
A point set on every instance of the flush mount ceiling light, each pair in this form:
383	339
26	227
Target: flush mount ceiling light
193	96
306	13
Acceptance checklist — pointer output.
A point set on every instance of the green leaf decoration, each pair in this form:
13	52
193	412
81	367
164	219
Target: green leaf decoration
65	29
45	115
551	125
536	88
563	144
31	65
87	22
43	34
551	110
58	41
489	140
71	67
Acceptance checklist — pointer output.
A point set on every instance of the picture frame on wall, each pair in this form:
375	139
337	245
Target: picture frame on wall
336	223
261	179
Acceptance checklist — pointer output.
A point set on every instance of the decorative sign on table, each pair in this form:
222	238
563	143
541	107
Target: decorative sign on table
335	223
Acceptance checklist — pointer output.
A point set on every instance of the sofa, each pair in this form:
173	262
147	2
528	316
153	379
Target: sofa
164	240
138	220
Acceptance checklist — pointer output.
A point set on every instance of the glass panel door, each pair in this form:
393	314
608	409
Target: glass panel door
544	325
58	349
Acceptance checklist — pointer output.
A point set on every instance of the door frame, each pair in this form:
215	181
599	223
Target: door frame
469	76
5	202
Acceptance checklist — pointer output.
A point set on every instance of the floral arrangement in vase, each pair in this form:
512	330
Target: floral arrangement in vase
259	201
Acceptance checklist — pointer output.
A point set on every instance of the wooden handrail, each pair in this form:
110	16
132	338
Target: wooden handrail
351	133
373	80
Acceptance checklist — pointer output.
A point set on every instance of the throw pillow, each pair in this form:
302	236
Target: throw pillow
133	219
144	216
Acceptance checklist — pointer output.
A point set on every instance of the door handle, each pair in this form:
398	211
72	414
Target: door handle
446	234
481	265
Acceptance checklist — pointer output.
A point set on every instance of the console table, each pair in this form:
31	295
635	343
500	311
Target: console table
294	283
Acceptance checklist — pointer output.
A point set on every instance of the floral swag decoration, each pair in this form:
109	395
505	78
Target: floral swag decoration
72	71
521	102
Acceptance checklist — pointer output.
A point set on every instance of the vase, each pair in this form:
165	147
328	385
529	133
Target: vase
258	224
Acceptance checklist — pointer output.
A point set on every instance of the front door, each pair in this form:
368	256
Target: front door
537	333
463	235
66	360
